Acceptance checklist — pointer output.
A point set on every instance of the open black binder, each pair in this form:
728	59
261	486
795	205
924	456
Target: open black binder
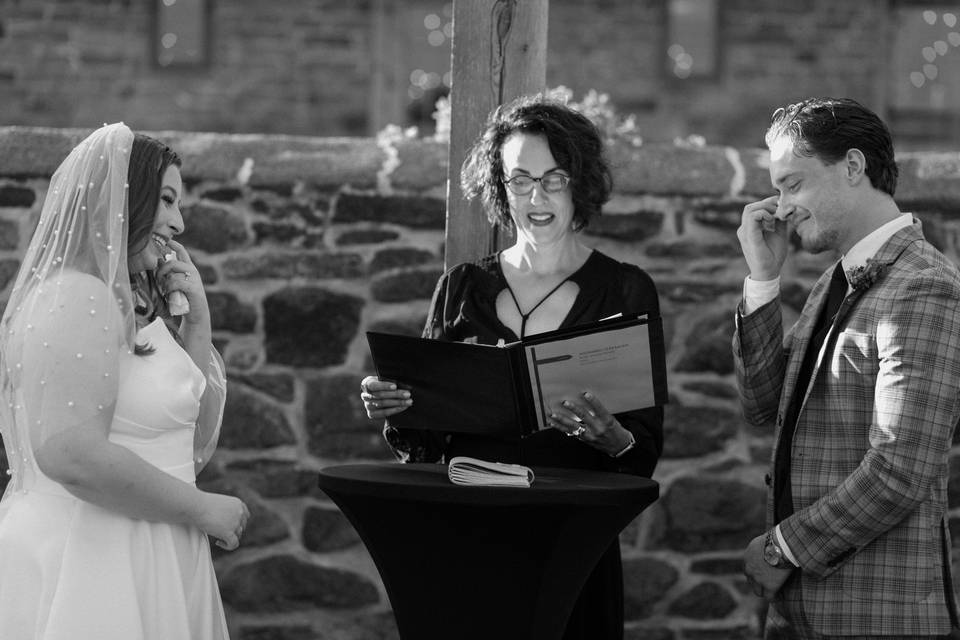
507	391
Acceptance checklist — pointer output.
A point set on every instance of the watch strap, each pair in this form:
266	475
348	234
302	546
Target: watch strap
630	445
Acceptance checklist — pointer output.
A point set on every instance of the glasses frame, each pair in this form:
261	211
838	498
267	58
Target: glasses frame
512	186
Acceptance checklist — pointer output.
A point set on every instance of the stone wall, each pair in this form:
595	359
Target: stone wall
295	67
316	67
305	243
770	53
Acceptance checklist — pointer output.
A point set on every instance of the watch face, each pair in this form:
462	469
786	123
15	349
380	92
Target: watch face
772	554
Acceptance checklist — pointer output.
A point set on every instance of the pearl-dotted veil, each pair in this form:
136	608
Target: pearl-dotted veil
70	313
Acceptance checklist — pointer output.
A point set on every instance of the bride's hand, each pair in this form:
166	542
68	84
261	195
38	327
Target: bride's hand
382	399
180	274
224	519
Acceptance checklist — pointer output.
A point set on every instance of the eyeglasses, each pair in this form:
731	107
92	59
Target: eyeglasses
549	182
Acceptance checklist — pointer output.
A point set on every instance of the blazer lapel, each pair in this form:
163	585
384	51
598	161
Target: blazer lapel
802	332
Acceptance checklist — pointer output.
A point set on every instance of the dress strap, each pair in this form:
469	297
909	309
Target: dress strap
525	316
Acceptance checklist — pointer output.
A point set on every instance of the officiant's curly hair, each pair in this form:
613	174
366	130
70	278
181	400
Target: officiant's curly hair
574	142
826	128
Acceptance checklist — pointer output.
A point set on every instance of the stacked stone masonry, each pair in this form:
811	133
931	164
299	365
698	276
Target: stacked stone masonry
325	67
305	243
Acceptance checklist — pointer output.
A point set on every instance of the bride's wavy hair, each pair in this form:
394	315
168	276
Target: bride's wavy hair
149	160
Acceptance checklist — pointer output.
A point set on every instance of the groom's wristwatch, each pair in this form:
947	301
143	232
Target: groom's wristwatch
772	553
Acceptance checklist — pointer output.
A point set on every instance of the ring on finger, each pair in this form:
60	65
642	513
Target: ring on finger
579	431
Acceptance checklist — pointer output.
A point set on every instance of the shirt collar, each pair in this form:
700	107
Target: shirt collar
868	246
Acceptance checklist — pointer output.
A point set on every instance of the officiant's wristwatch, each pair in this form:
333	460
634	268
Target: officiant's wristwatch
772	553
629	446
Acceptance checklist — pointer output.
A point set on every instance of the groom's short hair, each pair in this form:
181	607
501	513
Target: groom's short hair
826	128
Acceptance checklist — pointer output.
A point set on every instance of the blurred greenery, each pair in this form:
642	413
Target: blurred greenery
595	105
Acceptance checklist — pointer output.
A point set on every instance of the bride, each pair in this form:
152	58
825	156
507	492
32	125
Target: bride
109	407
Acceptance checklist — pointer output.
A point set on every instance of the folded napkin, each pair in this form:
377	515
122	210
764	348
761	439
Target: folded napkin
472	471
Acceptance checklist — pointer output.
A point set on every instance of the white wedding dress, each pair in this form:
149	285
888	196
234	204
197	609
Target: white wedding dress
70	570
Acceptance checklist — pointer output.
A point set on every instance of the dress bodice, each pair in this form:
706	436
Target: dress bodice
158	402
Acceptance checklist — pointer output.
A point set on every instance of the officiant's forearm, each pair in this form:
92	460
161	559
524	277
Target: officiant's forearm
646	425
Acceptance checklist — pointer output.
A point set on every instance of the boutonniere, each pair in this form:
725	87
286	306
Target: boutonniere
862	277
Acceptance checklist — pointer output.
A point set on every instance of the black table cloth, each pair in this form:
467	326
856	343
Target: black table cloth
484	562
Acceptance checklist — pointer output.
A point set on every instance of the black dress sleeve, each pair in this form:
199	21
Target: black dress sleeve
646	425
418	445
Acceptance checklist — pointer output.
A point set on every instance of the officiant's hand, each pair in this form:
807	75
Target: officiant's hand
584	417
382	399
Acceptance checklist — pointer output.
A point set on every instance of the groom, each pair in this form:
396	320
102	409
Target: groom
863	392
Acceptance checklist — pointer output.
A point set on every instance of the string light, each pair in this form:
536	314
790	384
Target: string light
929	71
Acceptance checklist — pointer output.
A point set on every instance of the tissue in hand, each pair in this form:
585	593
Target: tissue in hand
176	300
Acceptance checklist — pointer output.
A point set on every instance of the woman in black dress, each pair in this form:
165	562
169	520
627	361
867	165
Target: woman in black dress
539	170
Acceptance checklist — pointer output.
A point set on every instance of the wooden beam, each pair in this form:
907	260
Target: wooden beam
499	53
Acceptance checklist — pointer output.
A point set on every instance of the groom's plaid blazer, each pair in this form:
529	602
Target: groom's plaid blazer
869	457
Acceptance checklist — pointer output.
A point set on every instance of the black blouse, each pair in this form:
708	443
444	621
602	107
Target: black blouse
464	309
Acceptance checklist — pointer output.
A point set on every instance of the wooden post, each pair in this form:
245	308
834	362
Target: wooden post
499	53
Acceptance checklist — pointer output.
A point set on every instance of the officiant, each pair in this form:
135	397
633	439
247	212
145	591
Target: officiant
539	170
